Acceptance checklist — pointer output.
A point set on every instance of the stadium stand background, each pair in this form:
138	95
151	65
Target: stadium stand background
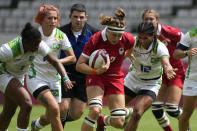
178	13
15	13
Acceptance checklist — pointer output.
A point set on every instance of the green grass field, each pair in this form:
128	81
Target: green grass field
147	123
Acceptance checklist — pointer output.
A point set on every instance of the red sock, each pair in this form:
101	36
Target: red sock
167	128
101	121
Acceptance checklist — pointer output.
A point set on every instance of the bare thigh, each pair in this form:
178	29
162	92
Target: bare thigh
116	101
46	99
128	99
16	93
77	105
174	94
9	107
94	92
64	106
162	93
142	103
189	103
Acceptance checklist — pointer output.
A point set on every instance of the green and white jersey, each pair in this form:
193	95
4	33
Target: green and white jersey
40	68
15	61
147	64
190	40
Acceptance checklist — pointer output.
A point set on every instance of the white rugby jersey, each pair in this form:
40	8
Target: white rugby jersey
190	40
40	68
14	61
147	64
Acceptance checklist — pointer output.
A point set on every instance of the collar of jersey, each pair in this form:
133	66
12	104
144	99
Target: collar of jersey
159	30
51	36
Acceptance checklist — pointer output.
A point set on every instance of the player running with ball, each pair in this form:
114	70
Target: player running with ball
108	80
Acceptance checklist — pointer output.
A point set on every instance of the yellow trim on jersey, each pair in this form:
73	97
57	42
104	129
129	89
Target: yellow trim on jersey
167	56
67	49
50	50
59	35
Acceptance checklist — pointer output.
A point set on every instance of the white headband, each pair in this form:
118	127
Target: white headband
116	29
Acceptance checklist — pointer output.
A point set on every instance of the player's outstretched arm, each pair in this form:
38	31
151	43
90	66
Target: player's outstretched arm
168	69
52	59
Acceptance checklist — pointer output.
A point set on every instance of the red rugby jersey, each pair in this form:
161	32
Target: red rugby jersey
170	36
116	52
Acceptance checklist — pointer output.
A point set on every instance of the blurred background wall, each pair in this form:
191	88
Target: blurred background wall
178	13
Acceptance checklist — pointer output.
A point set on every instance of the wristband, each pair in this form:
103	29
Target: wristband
186	53
65	78
93	70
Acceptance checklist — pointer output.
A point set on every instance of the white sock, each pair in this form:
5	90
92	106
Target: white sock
127	112
19	129
107	120
38	124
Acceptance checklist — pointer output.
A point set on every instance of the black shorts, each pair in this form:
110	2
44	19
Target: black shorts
39	90
132	94
79	89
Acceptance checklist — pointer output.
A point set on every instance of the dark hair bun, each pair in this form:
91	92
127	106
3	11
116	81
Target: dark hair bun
30	33
147	28
28	26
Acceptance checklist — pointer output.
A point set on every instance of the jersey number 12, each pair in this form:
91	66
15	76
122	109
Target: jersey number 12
145	68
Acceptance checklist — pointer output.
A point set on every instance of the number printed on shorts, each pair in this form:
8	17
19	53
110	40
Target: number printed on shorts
145	68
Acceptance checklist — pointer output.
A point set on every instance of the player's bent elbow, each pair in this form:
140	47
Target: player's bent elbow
78	67
74	59
175	55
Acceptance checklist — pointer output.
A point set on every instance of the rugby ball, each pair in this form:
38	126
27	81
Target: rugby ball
98	58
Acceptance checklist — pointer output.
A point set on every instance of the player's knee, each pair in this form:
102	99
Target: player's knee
95	102
63	109
185	116
173	110
94	112
95	107
136	115
53	110
157	109
118	123
117	116
76	114
63	112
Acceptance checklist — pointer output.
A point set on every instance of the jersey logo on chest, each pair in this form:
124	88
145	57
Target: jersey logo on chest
55	46
121	51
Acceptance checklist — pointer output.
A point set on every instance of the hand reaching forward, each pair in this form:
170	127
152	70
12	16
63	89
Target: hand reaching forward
67	83
192	52
170	72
